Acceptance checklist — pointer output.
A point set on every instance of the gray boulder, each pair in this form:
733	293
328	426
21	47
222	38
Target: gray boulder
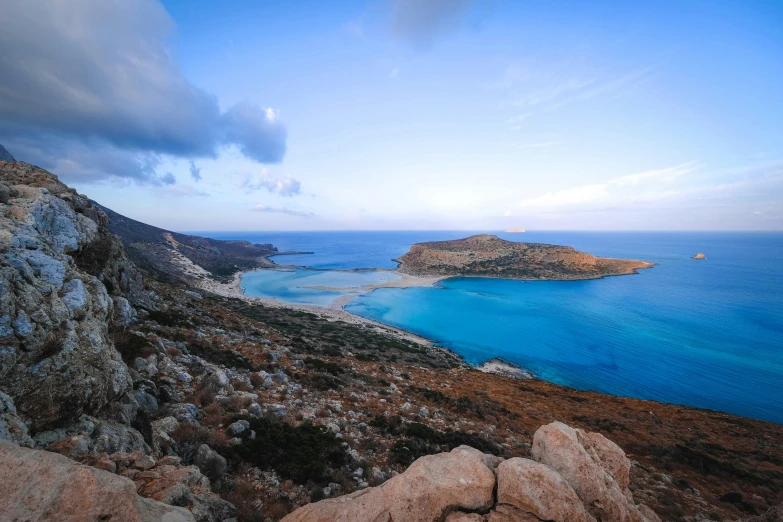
184	412
210	462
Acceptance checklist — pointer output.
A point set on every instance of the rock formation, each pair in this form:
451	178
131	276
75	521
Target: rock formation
575	476
489	256
63	279
44	486
699	256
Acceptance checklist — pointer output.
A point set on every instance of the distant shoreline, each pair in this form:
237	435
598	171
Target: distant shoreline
334	312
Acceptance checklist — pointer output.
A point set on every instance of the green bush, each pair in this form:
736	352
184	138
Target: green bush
422	440
300	453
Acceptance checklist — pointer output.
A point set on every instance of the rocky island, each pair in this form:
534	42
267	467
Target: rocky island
487	255
127	393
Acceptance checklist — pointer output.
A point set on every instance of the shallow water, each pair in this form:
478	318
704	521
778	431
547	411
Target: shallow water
704	333
295	285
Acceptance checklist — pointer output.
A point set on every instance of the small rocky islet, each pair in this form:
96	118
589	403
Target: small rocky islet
130	393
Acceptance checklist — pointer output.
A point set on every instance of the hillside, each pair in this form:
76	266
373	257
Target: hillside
124	396
489	256
174	254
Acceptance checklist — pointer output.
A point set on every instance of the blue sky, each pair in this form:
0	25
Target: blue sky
403	114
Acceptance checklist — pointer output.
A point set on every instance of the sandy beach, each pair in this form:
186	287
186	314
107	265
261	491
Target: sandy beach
335	311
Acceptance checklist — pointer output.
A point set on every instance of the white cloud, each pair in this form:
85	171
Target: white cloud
642	186
282	210
286	187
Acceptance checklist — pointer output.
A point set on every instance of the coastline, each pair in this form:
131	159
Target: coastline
334	312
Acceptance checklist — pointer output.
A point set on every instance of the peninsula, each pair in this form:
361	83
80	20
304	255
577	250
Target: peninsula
487	255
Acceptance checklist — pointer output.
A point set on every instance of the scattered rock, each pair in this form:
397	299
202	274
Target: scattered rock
210	462
184	412
238	427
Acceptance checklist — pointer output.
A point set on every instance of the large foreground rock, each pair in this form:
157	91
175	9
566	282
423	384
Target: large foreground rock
539	490
595	467
576	477
43	486
431	486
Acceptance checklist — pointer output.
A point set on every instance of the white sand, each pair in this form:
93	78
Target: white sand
335	311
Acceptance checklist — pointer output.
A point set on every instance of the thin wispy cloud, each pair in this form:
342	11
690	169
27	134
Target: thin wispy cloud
644	185
282	210
182	191
195	172
545	88
286	187
537	145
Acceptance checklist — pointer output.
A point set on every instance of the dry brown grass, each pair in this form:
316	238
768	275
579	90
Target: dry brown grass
214	414
238	403
242	386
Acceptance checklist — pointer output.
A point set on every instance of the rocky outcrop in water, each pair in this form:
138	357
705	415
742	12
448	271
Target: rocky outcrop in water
574	476
489	256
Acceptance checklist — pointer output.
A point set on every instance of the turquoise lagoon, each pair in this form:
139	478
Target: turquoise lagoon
296	285
701	333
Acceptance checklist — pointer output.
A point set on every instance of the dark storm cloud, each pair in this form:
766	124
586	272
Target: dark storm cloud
96	72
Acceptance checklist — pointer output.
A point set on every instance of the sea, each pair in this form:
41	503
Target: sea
705	333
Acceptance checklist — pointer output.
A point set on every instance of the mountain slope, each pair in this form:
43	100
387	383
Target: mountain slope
5	155
182	256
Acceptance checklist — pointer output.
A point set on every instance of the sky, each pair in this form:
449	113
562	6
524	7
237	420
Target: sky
404	114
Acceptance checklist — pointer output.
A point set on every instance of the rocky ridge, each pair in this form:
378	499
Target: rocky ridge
185	257
486	255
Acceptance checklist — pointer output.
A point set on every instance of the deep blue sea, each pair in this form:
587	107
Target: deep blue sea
702	333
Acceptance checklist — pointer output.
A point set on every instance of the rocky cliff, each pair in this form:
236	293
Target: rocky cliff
63	280
489	256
